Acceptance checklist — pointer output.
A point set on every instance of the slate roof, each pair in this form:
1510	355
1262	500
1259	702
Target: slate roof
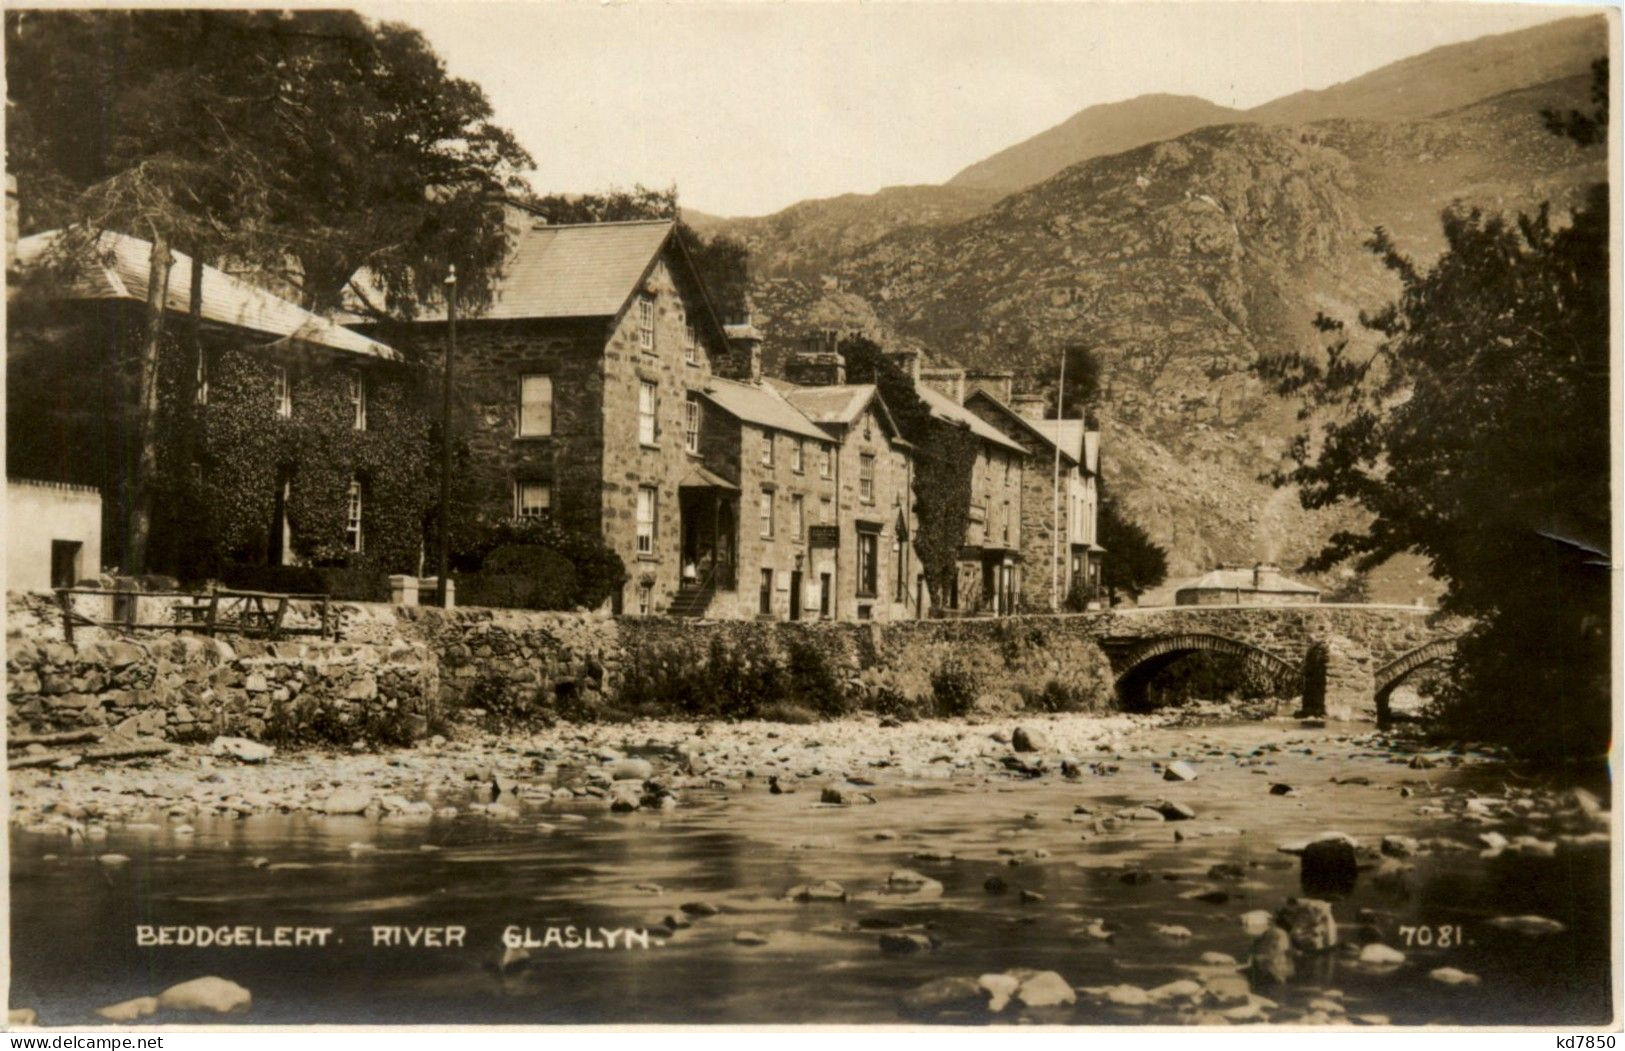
227	300
841	406
946	409
762	406
571	271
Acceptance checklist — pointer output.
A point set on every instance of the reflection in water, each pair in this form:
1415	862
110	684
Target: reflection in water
73	921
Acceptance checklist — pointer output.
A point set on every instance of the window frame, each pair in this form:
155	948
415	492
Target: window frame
798	517
646	322
649	436
358	399
545	430
826	468
284	393
692	413
519	487
798	456
766	512
354	517
768	452
868	576
646	539
866	477
200	393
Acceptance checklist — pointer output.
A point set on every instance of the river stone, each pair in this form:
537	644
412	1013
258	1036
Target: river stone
1310	924
945	996
1000	988
907	881
1180	989
1272	959
631	770
1179	771
241	749
902	943
1256	922
749	938
347	801
1226	990
1173	811
823	890
1400	846
1030	739
206	994
1452	976
1043	989
1379	955
1329	866
130	1010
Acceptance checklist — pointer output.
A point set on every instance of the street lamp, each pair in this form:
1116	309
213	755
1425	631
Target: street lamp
445	440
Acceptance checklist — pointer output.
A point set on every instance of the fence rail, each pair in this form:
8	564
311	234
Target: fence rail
259	614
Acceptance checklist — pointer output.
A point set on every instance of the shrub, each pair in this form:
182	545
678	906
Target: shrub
597	571
1058	696
812	680
522	576
325	722
789	712
955	687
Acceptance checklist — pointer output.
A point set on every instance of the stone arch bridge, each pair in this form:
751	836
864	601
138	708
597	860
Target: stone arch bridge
1369	649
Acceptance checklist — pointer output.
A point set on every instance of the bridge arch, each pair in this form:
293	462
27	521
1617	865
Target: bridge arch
1398	670
1140	664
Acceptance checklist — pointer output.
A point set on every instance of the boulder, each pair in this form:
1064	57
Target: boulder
823	890
1000	988
1452	976
1030	739
241	749
945	996
1272	959
630	770
902	943
1400	846
1329	866
1309	923
1172	811
1043	989
211	994
1226	990
1379	955
130	1010
1179	771
347	801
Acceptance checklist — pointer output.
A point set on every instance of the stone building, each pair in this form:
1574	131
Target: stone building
1237	585
865	538
576	385
1059	500
70	335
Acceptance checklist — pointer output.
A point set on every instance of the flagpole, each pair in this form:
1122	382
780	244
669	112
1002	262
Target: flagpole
1055	495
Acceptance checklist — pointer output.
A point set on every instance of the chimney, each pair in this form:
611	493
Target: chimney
1266	576
744	353
816	368
947	381
1030	406
1000	385
11	222
908	361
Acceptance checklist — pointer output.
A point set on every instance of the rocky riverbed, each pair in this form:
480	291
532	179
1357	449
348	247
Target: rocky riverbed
1066	869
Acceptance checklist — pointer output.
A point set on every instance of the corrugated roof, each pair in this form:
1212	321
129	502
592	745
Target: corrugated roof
946	409
227	300
579	270
762	406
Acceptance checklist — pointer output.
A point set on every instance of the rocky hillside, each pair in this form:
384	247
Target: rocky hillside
1182	262
1442	79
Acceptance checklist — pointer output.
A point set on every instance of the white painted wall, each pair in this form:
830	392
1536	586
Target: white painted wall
38	513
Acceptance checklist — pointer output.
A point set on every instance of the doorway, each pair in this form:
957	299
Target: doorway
795	594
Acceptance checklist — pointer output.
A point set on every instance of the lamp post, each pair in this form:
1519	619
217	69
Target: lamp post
445	440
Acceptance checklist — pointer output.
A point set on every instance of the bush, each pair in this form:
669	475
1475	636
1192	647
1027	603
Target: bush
788	712
597	572
286	580
955	687
522	576
324	722
812	680
1057	696
504	706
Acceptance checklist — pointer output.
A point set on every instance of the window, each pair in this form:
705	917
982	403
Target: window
691	345
766	507
767	448
535	406
899	564
764	601
358	400
868	574
646	322
284	393
202	394
866	478
691	425
352	520
646	519
646	597
798	517
826	466
646	413
798	456
532	499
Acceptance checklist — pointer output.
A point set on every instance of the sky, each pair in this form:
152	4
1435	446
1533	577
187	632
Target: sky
748	107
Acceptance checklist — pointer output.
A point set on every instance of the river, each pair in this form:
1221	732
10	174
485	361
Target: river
1127	901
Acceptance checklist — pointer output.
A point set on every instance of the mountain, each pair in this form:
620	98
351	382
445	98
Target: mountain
1181	262
1094	132
1438	80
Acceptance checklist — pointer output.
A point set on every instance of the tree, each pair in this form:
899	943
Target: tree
310	144
1475	432
944	457
1133	563
1080	395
